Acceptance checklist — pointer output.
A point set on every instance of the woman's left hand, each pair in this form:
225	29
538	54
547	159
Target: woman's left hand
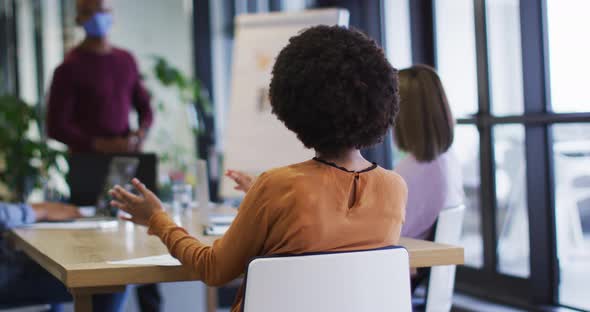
141	208
243	180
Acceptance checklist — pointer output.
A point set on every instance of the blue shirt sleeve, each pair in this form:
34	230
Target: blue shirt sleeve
12	215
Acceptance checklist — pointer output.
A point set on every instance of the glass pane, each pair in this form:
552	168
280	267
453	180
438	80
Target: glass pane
467	149
27	66
294	5
52	38
144	38
571	151
457	66
221	45
505	59
512	223
397	33
568	25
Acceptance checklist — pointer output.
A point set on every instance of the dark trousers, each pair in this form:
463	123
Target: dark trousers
23	282
149	298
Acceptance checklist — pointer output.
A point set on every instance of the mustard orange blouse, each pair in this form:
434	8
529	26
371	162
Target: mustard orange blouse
306	207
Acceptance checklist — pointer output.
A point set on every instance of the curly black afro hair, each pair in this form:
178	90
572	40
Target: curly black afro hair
335	89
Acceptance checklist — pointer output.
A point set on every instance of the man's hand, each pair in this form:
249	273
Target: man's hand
112	145
243	180
55	212
136	139
141	208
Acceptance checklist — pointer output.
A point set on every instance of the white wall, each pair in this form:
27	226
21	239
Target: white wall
162	28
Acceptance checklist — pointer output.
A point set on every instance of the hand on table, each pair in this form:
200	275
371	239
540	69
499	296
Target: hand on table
243	180
55	212
141	208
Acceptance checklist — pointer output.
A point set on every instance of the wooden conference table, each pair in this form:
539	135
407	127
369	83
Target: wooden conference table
78	258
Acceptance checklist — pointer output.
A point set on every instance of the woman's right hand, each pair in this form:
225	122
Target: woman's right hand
141	208
243	180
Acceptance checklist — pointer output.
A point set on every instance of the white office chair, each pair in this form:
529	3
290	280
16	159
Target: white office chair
439	295
373	280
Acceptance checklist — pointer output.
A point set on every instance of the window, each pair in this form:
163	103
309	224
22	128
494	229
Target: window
571	152
512	219
457	66
491	63
397	33
504	57
507	98
479	59
569	48
466	145
457	69
569	65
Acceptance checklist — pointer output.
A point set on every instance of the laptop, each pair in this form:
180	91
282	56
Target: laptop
91	175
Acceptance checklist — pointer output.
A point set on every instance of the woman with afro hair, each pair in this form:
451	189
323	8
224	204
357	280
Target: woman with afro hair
334	88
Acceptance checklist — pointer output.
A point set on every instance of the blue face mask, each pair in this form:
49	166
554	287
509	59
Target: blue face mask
98	25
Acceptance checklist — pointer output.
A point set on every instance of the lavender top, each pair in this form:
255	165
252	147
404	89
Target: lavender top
432	186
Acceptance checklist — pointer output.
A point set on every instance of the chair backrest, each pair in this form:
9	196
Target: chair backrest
371	280
441	282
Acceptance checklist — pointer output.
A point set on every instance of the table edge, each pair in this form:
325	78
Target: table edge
79	276
51	266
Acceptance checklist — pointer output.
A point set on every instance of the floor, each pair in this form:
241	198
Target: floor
190	297
462	303
192	301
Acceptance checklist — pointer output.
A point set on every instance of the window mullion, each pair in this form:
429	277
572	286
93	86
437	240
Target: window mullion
487	165
539	155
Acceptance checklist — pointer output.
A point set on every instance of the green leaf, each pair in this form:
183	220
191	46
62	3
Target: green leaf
26	159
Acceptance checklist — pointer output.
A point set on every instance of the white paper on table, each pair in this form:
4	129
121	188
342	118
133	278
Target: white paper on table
161	260
221	219
87	211
75	225
216	230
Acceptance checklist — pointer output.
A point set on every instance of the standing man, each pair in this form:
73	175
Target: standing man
92	93
94	90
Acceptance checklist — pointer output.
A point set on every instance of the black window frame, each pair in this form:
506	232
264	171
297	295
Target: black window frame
541	287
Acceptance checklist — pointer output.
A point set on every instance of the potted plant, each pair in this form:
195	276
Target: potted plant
24	160
196	99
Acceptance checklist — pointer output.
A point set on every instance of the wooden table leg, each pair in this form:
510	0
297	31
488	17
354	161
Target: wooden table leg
211	299
83	296
83	303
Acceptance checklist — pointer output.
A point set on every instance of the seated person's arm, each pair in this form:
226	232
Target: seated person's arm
12	215
229	255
